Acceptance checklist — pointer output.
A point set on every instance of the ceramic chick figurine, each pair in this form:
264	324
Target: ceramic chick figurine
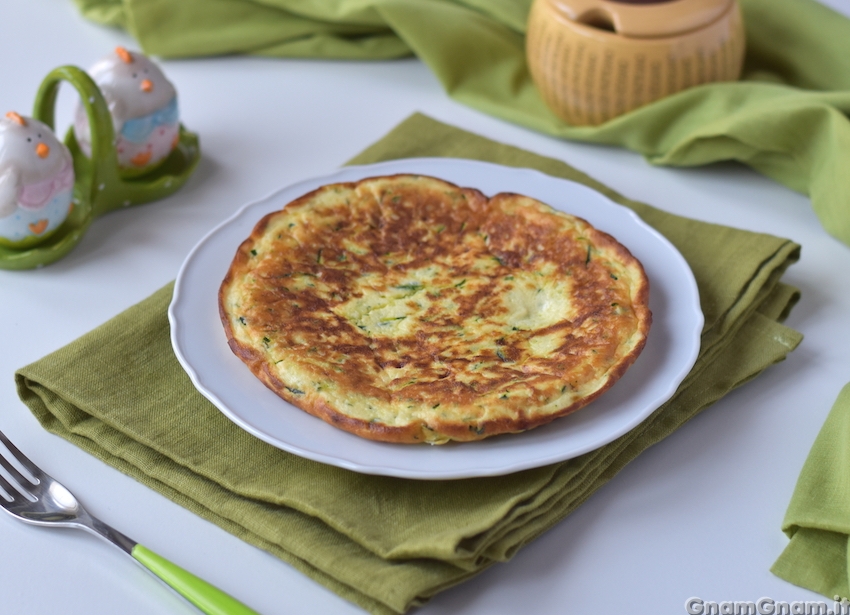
36	181
143	105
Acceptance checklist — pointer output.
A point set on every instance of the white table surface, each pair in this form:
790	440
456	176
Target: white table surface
697	515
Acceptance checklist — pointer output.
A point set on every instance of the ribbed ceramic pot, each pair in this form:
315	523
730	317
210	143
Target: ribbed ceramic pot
593	60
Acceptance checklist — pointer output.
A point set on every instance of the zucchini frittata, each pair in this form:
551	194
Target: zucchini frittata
407	309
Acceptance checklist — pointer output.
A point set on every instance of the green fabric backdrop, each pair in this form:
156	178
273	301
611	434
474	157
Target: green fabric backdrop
787	117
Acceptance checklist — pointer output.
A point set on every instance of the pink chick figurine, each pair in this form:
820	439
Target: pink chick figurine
143	105
36	181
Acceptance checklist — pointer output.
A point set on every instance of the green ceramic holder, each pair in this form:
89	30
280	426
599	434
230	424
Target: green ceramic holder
99	185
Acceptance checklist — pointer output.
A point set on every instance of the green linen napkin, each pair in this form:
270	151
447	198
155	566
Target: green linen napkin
818	518
386	543
786	118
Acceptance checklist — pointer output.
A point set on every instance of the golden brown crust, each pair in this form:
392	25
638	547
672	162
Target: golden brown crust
406	309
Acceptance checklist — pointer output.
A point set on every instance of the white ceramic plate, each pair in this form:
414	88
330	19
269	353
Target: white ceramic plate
200	345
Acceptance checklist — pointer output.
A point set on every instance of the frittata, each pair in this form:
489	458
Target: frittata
407	309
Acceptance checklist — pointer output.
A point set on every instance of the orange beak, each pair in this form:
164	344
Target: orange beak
147	85
42	150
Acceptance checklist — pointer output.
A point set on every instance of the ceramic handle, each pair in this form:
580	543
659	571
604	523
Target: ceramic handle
575	10
207	598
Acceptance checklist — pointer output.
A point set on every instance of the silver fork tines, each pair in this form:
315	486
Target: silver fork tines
22	480
42	500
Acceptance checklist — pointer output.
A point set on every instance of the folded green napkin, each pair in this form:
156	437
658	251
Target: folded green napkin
818	518
786	118
388	543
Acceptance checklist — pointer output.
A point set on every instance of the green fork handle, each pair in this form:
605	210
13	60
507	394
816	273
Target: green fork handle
207	598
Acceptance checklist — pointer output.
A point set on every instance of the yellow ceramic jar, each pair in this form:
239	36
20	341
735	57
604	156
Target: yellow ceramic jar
593	60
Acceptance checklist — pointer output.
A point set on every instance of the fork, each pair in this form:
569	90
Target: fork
41	500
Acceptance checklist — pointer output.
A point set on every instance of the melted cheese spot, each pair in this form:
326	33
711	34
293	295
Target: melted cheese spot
545	345
533	304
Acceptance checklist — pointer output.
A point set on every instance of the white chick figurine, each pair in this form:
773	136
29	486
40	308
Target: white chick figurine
143	104
36	181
